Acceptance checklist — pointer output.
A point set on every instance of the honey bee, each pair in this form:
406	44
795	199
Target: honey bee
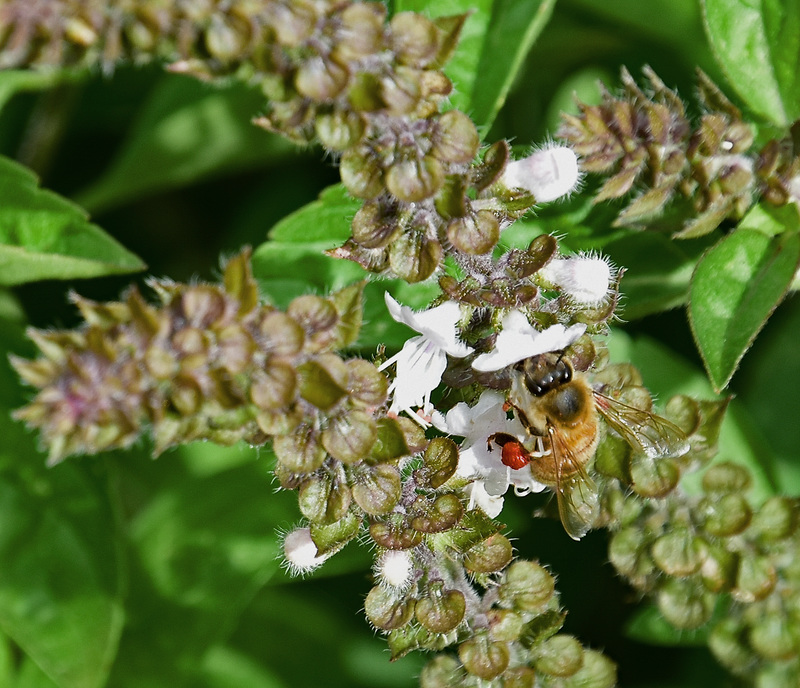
559	409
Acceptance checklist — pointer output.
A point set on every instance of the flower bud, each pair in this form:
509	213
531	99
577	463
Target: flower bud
339	130
440	462
548	174
372	227
301	552
628	553
561	655
585	278
226	41
489	556
440	611
360	32
483	658
387	610
654	478
299	452
361	173
440	516
274	387
505	625
520	677
394	536
719	568
395	569
726	477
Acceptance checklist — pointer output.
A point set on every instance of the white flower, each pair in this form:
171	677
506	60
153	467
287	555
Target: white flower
395	568
422	360
548	174
519	339
301	552
585	278
490	477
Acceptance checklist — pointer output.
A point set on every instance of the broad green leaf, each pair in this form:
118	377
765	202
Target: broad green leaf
45	236
187	131
514	27
735	288
223	667
326	219
13	81
757	43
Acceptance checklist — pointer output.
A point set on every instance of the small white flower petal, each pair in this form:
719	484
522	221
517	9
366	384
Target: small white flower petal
491	505
519	340
301	552
548	174
419	372
395	568
585	278
437	325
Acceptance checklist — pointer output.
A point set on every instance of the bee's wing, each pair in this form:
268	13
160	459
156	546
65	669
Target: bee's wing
655	436
576	493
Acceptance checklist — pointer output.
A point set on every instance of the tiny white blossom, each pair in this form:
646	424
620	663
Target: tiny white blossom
490	477
519	339
301	552
395	568
585	278
423	359
548	174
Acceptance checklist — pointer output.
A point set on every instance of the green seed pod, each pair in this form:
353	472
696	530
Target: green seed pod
376	489
440	611
520	677
728	646
293	23
719	568
776	519
365	383
443	671
490	556
414	39
339	130
386	610
413	180
322	381
394	536
313	313
186	395
455	138
161	363
628	552
654	478
773	638
274	387
282	335
414	257
401	90
684	604
299	452
280	422
360	32
361	172
561	655
726	515
440	516
755	578
678	552
227	39
684	412
350	435
527	586
373	226
440	461
598	671
324	499
320	80
505	626
483	658
726	477
475	234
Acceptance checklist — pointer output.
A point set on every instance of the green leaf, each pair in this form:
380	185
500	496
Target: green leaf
326	219
13	81
514	27
736	286
187	131
756	42
45	236
649	626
